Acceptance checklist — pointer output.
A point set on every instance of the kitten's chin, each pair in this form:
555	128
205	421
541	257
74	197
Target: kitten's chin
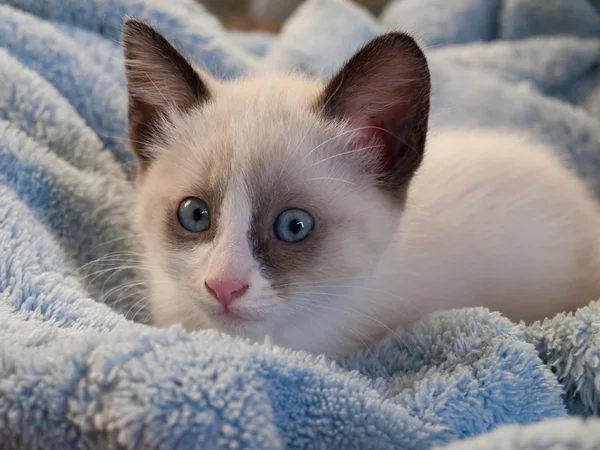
237	322
234	320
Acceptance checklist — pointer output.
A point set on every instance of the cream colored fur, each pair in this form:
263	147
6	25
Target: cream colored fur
491	220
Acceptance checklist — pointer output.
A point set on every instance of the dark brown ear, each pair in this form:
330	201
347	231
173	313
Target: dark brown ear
383	92
159	80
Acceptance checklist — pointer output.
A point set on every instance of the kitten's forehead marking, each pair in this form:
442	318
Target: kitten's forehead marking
235	217
231	254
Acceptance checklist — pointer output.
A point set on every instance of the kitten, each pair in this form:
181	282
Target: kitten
311	213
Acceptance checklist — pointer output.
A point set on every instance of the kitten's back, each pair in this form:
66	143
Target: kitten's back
496	221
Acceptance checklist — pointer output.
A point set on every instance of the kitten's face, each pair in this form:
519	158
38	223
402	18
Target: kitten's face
263	212
255	152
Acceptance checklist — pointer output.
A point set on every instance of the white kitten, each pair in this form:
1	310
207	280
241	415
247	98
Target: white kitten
281	207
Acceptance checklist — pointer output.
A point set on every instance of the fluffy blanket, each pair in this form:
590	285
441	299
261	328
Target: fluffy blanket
81	368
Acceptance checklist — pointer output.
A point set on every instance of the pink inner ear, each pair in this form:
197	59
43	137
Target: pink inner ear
382	125
367	147
383	104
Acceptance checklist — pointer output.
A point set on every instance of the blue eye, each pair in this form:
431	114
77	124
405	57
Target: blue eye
293	225
193	215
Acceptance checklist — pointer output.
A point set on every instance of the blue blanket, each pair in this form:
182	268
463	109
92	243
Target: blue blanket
81	368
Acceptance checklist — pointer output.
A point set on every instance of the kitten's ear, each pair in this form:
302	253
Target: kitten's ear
159	80
383	92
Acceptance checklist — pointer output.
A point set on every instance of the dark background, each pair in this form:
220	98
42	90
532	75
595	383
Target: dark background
266	15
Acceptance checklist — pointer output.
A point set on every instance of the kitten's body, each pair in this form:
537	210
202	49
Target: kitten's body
495	220
492	220
488	220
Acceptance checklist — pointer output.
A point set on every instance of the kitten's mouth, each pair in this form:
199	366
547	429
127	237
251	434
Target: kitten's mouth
235	319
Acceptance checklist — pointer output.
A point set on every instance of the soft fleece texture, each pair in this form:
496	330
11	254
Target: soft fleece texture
75	373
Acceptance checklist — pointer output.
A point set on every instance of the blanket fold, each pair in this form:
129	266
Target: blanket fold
80	364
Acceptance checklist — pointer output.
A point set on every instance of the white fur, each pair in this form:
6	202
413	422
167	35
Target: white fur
491	220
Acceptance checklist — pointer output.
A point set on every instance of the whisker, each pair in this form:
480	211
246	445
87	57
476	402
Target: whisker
97	274
143	299
122	238
309	283
346	152
122	288
385	305
337	136
331	179
103	258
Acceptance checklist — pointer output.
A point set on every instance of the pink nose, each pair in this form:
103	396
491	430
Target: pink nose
226	291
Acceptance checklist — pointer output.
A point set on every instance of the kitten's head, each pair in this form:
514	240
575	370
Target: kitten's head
267	204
